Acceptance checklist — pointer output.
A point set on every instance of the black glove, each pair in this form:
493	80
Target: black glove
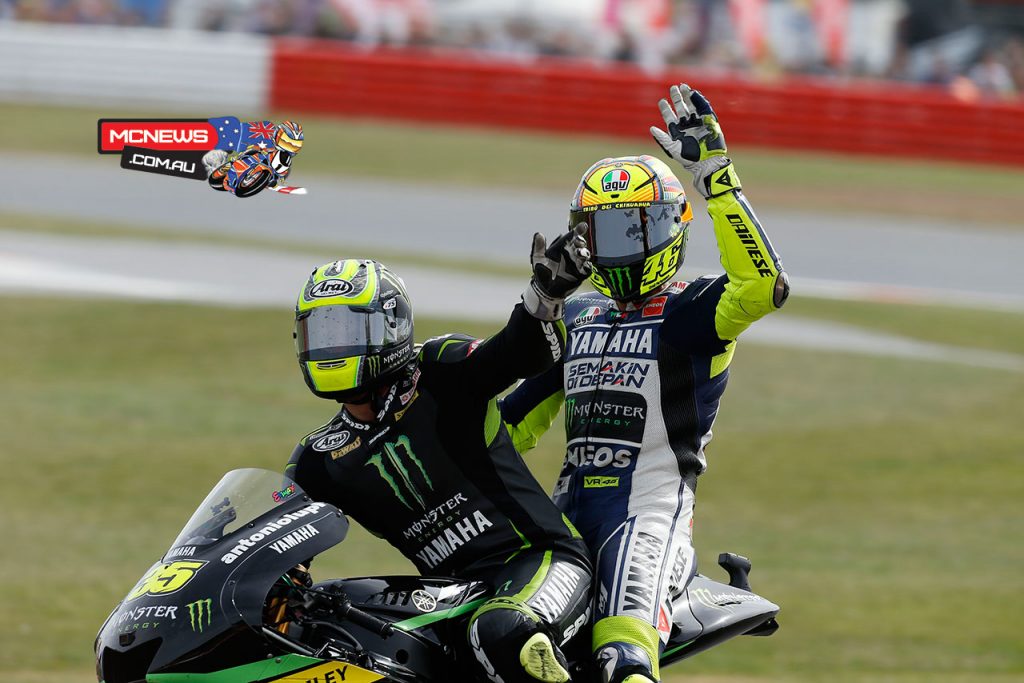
558	269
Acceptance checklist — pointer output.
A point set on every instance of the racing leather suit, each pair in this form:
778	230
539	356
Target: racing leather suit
439	478
641	387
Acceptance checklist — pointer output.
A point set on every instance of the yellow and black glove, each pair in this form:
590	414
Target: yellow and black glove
695	140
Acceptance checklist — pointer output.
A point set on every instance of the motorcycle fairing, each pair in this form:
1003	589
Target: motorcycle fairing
219	602
710	612
284	669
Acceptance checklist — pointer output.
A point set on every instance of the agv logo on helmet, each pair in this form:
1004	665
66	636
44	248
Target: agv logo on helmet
615	180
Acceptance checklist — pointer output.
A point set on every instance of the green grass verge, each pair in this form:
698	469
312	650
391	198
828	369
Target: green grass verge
878	499
955	326
506	161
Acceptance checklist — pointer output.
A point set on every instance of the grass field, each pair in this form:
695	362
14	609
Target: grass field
507	160
880	500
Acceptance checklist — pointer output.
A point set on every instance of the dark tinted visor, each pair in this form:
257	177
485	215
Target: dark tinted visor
329	332
622	235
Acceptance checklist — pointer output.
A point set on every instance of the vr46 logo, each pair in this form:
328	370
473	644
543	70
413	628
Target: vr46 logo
166	578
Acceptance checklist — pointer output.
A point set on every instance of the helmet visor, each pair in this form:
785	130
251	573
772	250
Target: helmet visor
624	235
330	332
287	143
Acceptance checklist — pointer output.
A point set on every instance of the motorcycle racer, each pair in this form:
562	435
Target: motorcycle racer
646	362
288	139
419	456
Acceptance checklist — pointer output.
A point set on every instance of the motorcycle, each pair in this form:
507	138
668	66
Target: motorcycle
224	605
245	176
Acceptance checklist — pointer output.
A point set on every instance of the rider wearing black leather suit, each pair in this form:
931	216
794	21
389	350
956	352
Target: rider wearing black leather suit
418	454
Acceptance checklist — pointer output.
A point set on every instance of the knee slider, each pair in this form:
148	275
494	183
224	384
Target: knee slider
501	621
509	640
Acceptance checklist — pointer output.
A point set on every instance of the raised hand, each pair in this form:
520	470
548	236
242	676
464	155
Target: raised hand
558	269
694	139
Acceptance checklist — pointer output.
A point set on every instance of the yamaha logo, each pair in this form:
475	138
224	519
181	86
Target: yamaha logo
328	288
424	601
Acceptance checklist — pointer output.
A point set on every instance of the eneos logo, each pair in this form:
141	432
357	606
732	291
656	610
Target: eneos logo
166	578
615	180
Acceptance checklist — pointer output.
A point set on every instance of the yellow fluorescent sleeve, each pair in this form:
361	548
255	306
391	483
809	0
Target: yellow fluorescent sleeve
749	261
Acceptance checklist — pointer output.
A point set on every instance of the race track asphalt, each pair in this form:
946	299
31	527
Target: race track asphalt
233	276
838	256
867	255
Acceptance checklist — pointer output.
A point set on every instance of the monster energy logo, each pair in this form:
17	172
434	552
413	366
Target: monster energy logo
373	365
570	407
619	280
199	612
399	456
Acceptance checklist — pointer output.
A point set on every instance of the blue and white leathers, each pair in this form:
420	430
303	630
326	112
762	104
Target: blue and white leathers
641	386
629	397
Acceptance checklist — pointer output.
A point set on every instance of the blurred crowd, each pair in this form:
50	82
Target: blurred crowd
975	49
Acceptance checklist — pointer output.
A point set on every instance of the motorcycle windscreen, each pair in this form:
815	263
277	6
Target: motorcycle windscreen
240	497
211	585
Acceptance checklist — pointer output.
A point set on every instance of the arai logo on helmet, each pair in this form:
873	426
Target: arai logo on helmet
615	180
328	288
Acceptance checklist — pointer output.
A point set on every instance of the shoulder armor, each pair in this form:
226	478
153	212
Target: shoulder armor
322	430
448	348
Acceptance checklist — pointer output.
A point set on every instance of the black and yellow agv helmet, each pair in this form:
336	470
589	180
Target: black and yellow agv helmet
639	222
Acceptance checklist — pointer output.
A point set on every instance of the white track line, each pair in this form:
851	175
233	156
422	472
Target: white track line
221	275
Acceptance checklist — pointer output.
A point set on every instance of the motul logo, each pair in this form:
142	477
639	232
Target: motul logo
163	134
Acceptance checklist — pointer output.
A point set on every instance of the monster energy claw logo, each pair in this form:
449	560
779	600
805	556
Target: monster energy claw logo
200	614
570	405
619	279
399	457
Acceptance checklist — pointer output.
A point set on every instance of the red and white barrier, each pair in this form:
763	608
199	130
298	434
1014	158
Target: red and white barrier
213	74
579	97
